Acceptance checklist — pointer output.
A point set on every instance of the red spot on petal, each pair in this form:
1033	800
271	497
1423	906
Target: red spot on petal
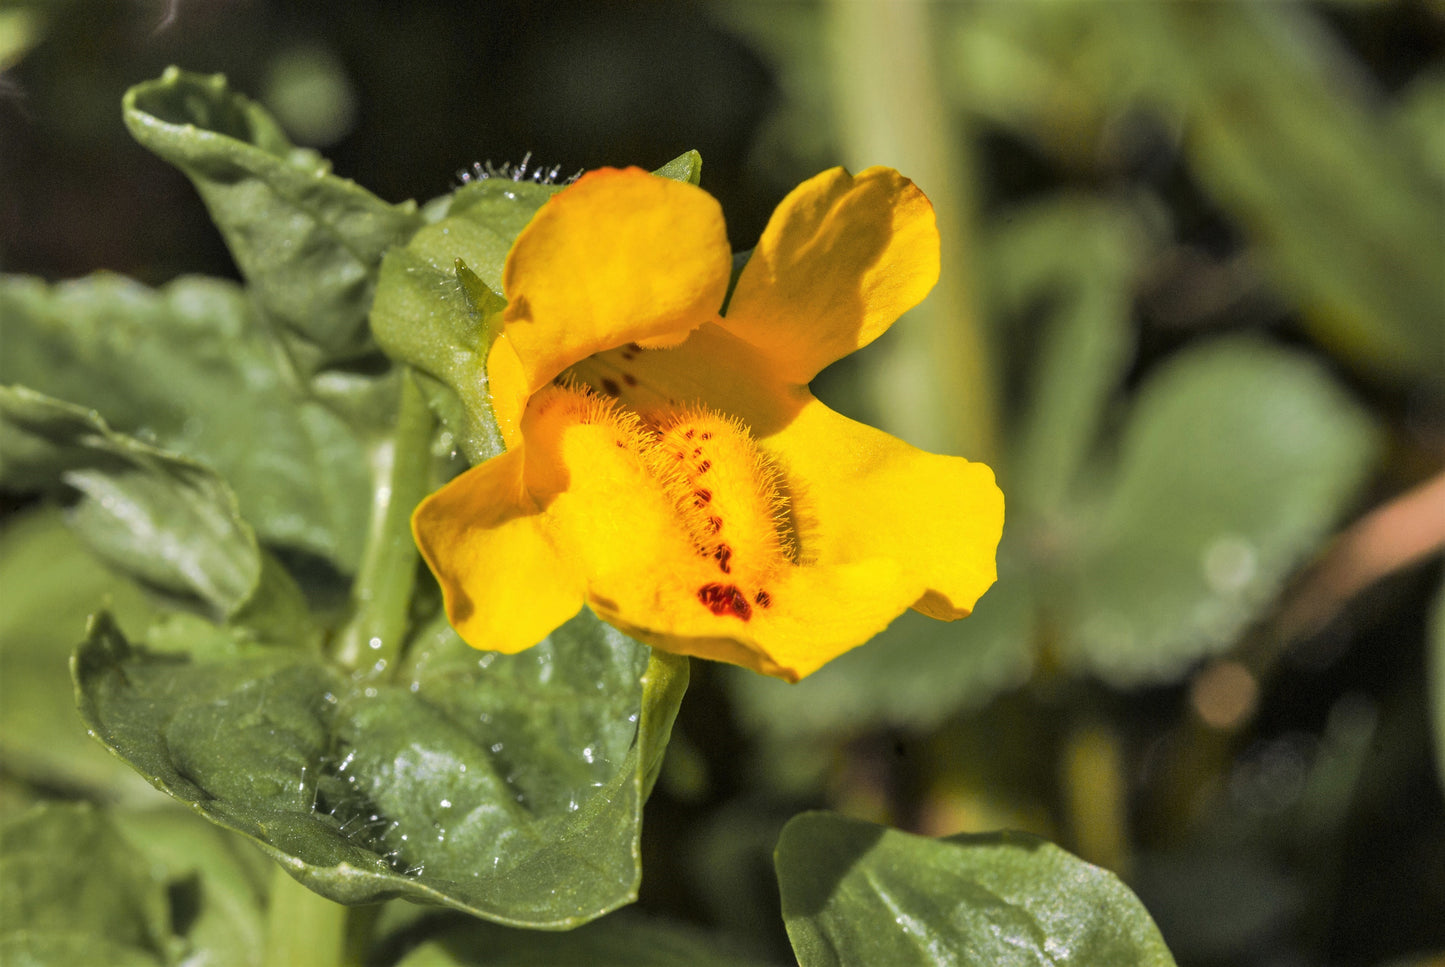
764	599
706	436
701	496
714	524
689	433
723	599
704	467
629	379
723	555
610	388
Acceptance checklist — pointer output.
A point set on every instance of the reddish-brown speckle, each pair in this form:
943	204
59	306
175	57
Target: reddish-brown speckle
764	599
629	379
705	436
704	467
714	524
610	387
723	599
723	555
688	435
701	496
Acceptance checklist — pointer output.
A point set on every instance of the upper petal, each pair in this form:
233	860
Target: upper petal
841	259
871	494
621	256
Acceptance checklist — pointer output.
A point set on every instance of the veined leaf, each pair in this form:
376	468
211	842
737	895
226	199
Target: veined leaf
299	471
308	243
855	893
510	787
164	520
74	891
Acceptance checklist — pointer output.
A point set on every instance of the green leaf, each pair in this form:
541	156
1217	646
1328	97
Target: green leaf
855	893
507	787
299	471
72	887
1332	194
1237	460
51	582
161	519
308	243
621	940
217	878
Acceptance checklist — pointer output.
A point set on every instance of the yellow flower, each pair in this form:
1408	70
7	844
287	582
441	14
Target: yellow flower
668	467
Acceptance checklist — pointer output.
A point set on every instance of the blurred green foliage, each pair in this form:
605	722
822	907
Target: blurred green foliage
1192	313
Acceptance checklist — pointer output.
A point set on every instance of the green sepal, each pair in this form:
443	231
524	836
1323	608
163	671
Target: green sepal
438	304
685	167
856	893
308	243
507	787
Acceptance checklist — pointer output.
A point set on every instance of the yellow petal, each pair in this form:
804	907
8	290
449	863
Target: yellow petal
621	256
811	615
872	494
504	585
841	259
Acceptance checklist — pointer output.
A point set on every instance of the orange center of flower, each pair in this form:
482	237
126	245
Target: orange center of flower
714	486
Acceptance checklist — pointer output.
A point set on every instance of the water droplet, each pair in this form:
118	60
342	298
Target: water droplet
588	755
496	747
446	804
374	643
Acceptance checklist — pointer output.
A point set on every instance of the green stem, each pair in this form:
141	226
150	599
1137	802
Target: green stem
938	389
381	596
304	929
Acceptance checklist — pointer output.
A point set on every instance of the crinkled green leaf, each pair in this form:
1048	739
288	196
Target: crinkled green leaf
51	582
507	787
299	471
856	893
1237	460
72	887
156	517
621	940
308	243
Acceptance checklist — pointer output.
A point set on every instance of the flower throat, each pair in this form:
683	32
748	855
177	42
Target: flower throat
705	472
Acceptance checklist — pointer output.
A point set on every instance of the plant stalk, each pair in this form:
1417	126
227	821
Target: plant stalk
381	597
938	387
304	929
